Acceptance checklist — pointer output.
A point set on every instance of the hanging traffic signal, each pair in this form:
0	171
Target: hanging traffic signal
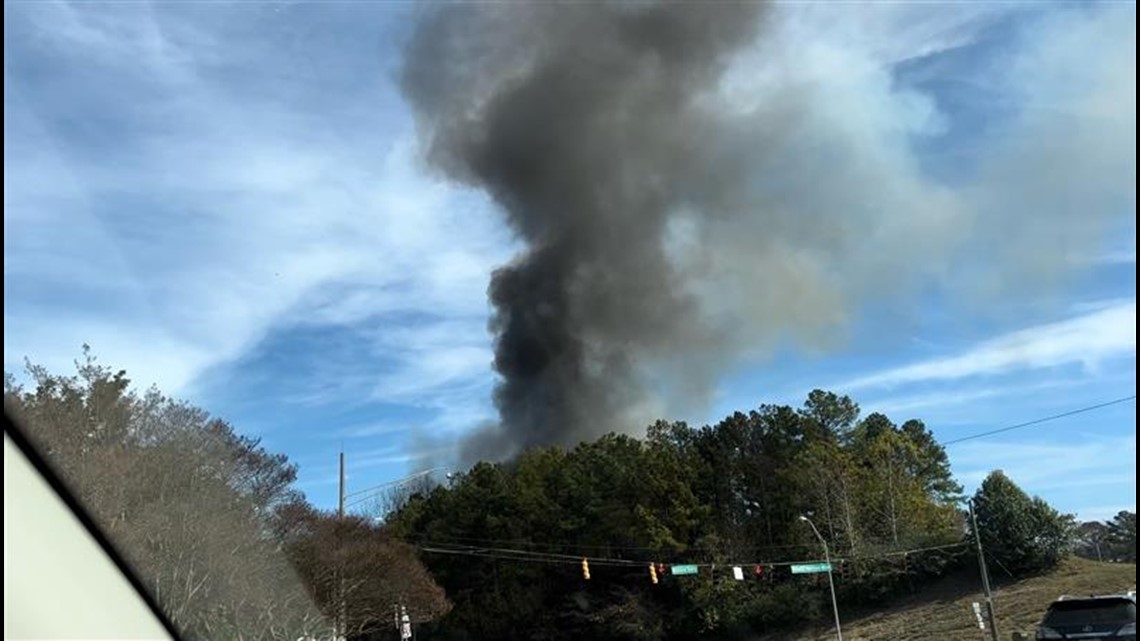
758	571
653	573
585	569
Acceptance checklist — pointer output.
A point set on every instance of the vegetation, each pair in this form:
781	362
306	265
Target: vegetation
1113	540
1122	536
208	518
211	522
504	538
943	609
1024	535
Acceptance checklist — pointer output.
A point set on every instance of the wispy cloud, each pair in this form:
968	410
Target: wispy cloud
896	33
1118	257
1097	336
189	187
1040	466
958	396
395	454
219	213
382	428
1104	512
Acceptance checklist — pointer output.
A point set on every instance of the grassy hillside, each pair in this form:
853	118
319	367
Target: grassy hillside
943	611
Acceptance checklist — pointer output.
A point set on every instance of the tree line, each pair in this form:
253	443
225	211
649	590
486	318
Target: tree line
209	520
1112	540
214	526
504	539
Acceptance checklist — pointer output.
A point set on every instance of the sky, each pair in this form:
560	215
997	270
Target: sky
229	201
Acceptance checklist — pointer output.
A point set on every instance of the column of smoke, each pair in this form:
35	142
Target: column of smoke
666	233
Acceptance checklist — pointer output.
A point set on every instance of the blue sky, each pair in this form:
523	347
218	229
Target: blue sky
228	201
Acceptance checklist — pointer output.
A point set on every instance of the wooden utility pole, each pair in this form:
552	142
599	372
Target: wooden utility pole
985	575
340	502
341	623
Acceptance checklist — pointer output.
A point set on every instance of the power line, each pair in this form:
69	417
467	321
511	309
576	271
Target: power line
525	555
361	499
391	483
546	557
465	540
526	559
1041	420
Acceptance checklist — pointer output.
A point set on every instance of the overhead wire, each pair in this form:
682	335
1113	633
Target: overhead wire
1000	430
500	553
531	556
1040	420
395	482
463	540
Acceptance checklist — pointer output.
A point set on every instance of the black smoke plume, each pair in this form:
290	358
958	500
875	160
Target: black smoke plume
697	183
581	121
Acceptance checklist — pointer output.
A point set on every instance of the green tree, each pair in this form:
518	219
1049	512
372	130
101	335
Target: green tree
1025	535
1122	536
828	415
514	532
1092	541
906	492
929	465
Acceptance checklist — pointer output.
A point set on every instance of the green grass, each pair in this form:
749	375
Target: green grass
942	611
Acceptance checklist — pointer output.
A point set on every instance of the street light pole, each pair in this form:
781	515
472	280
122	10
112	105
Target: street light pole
830	580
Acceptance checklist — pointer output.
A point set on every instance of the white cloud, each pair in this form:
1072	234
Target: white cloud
1040	467
1104	512
1118	257
942	399
1097	336
231	208
395	454
150	354
893	32
382	428
181	245
1075	475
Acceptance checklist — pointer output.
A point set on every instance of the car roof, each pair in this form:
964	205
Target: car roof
1128	596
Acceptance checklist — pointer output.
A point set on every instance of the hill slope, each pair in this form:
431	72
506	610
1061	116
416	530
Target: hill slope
943	611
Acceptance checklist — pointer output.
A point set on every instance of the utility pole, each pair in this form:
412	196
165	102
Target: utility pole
341	624
830	580
985	574
340	502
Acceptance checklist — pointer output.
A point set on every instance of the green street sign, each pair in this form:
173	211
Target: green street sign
811	568
684	569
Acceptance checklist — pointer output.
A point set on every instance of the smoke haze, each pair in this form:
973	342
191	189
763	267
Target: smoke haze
692	189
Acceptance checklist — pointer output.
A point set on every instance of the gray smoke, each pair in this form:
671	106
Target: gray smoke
671	227
580	120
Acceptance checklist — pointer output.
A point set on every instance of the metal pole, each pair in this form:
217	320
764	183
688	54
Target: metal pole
985	575
830	579
831	584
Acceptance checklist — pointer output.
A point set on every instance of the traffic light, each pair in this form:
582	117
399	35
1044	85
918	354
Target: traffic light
653	573
758	571
585	569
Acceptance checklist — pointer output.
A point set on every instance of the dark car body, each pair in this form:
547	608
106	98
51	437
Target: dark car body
1095	617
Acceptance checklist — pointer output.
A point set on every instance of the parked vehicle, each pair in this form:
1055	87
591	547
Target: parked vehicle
1092	617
